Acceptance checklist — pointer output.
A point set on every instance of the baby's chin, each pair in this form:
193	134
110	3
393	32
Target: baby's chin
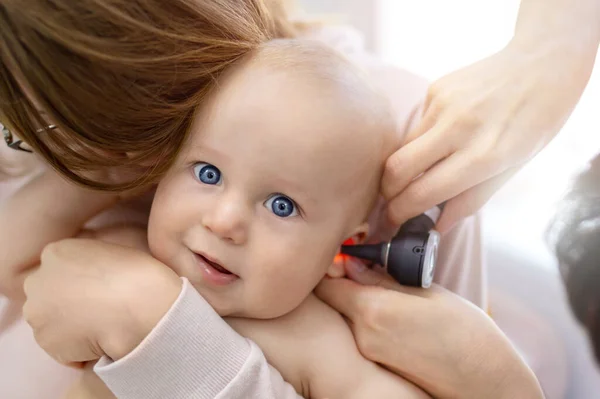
232	303
259	312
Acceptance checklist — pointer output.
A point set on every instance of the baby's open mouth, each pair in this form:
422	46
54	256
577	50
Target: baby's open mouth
215	265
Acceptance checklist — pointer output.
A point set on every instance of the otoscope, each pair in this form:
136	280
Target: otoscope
410	256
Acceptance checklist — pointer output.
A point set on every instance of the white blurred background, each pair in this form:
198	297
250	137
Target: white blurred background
435	37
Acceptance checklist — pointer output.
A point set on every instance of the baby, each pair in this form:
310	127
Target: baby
282	166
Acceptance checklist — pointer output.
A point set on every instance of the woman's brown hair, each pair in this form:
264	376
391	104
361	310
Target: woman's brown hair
119	76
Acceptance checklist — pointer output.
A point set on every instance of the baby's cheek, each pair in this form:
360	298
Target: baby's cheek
157	240
280	293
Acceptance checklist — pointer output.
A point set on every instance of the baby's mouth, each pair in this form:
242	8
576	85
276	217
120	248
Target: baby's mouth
215	265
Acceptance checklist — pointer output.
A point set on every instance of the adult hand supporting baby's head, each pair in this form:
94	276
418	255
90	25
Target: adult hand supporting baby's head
432	337
482	123
90	298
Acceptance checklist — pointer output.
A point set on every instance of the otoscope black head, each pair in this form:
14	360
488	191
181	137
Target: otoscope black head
372	252
409	258
406	258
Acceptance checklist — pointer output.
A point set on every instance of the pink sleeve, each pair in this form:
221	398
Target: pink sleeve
193	353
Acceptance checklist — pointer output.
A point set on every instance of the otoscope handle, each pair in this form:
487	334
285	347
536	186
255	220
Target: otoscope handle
423	222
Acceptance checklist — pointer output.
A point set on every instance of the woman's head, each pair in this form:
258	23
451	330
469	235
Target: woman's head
575	233
121	79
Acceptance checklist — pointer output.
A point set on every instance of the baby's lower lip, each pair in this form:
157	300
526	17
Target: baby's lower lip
214	274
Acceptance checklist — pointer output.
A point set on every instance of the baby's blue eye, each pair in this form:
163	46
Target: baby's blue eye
281	206
207	173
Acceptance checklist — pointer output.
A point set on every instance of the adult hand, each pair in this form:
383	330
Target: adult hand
90	298
432	337
481	124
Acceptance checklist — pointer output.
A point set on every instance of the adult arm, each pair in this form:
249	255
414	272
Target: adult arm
432	337
46	209
482	123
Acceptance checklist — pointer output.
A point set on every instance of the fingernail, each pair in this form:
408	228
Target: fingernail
355	265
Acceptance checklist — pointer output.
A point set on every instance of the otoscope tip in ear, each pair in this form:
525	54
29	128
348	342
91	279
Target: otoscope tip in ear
372	252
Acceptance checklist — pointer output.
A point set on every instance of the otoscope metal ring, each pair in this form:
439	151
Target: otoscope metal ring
430	261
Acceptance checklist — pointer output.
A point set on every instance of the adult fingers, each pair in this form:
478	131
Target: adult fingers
411	160
450	177
359	272
428	120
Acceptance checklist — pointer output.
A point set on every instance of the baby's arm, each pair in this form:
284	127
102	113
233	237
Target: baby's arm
45	210
89	385
315	351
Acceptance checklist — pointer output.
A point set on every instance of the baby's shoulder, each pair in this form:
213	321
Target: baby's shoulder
305	323
301	343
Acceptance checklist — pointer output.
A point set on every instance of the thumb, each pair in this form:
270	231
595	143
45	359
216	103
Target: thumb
341	294
356	270
359	272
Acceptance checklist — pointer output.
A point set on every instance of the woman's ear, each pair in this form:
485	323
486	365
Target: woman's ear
357	236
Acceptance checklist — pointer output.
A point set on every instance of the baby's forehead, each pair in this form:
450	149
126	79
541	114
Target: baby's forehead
313	64
305	82
308	111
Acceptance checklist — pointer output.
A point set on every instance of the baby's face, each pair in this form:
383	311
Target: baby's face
263	194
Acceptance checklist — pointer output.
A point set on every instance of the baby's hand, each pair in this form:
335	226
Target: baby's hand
90	298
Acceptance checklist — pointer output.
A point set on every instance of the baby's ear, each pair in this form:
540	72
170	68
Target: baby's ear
358	236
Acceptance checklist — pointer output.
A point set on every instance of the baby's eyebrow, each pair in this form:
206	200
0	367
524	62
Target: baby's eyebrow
295	191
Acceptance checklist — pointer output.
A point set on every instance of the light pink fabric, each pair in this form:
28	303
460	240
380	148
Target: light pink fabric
184	358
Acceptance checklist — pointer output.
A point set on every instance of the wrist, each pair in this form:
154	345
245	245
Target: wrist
506	377
519	388
579	39
517	381
544	21
567	58
138	313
